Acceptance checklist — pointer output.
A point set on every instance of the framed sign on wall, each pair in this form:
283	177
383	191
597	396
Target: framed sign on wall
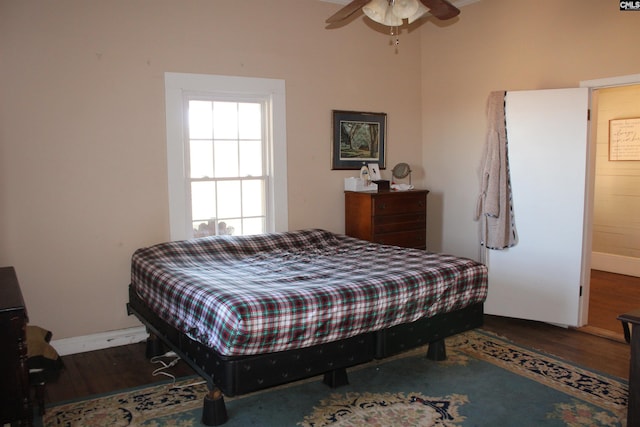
624	139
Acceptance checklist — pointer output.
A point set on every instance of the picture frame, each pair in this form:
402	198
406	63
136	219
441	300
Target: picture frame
374	172
359	138
624	139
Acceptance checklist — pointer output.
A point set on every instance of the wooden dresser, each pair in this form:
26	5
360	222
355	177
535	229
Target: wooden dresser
389	217
14	388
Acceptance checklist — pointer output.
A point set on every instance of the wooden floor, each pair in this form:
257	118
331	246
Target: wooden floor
610	295
122	367
103	371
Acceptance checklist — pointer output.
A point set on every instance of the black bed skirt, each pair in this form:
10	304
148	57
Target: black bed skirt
400	338
239	375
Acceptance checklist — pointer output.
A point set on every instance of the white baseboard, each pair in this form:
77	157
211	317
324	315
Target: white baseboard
619	264
99	341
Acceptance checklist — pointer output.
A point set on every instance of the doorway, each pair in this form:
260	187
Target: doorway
515	273
615	265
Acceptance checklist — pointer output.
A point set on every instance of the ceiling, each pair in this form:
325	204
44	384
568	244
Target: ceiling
336	1
457	3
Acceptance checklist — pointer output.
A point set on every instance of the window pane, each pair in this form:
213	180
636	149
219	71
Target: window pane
204	228
252	198
200	120
201	159
225	116
209	108
229	199
226	159
251	158
249	121
230	227
203	200
253	226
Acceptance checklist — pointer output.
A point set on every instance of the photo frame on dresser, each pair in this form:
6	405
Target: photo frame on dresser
359	138
374	172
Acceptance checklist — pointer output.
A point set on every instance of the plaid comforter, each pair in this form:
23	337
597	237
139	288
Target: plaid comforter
266	293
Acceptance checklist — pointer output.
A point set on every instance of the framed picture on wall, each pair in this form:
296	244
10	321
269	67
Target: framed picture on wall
358	139
624	139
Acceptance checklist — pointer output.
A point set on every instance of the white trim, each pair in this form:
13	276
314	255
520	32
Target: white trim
599	260
99	341
612	263
175	85
587	257
630	79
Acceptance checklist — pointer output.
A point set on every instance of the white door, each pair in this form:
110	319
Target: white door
541	277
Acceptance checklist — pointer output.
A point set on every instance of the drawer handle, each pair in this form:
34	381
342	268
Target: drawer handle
420	203
383	206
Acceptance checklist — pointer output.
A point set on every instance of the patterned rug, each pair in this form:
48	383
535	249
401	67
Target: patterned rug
485	381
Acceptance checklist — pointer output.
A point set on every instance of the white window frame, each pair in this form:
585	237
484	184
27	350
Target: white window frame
273	90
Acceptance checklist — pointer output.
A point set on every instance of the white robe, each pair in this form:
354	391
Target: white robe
495	204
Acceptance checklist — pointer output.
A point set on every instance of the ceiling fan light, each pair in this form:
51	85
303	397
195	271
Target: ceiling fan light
376	10
405	9
390	19
420	12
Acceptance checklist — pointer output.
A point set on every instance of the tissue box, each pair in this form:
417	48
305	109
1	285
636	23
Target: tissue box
357	184
383	185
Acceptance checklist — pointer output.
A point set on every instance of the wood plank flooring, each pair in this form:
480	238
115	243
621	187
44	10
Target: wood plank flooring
584	349
610	295
103	371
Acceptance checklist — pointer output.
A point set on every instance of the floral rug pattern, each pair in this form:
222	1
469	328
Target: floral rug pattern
548	370
131	408
591	399
379	409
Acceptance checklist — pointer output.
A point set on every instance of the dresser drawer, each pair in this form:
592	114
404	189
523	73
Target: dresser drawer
394	223
392	204
408	239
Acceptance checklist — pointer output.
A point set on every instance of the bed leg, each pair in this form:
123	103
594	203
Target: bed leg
336	378
214	412
155	347
437	351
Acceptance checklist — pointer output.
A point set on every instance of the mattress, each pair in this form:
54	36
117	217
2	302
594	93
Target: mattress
245	295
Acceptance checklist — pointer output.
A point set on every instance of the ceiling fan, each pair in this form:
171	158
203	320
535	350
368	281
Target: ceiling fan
392	13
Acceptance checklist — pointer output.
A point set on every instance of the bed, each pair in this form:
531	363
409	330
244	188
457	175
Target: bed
252	312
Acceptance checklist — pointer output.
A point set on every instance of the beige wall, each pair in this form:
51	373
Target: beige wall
82	139
616	220
504	45
82	131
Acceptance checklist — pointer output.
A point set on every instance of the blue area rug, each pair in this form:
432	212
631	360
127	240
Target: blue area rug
486	381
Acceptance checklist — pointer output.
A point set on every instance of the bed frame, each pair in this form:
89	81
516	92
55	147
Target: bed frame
239	375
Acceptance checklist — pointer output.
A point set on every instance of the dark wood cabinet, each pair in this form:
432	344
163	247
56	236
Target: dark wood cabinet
14	388
631	326
389	217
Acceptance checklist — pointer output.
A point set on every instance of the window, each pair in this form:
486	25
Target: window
226	155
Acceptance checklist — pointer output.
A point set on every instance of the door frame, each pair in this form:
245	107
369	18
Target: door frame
627	80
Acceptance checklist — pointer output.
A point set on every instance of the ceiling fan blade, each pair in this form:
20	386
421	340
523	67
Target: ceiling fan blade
347	11
441	9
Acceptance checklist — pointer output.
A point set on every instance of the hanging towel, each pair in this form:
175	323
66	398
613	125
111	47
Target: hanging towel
495	204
